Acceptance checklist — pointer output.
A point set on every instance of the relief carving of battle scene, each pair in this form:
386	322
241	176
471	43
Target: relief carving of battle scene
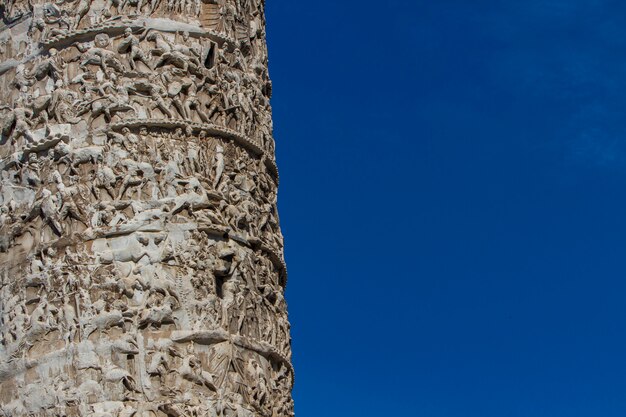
141	258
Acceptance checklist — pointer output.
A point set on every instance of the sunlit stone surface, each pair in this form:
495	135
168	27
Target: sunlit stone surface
140	253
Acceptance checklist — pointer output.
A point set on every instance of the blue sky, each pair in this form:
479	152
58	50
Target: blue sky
453	199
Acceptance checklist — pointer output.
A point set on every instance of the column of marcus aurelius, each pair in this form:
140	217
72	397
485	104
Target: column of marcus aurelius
141	260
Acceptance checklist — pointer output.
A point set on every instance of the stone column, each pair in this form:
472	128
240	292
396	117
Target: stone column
141	259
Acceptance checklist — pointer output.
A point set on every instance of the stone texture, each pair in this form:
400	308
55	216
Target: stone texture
141	259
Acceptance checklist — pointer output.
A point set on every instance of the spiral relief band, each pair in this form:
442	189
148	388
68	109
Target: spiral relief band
141	257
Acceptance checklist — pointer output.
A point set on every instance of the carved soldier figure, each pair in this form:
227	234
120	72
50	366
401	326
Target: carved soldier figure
69	208
61	103
228	13
30	171
213	105
131	45
50	66
157	96
46	208
18	123
82	8
100	55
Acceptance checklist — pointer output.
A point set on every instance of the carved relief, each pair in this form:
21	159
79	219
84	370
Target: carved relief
141	256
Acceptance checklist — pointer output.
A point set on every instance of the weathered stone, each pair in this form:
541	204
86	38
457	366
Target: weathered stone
141	258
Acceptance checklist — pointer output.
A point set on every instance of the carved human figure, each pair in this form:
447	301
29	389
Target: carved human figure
219	165
67	197
17	125
131	45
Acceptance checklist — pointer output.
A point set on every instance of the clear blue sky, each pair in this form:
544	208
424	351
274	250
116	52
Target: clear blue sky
453	198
